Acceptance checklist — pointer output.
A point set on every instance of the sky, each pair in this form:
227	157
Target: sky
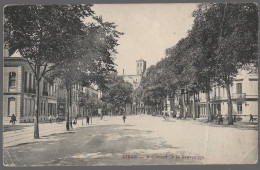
149	29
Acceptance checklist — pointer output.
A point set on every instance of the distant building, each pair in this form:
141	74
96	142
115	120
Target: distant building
140	70
77	110
135	80
141	67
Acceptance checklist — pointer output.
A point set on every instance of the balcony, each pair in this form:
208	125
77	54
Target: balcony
44	93
214	98
32	91
239	95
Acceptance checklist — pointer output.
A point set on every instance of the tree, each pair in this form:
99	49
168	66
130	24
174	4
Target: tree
117	93
44	36
92	60
232	30
180	72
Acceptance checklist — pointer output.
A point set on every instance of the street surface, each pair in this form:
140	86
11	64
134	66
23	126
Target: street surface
142	140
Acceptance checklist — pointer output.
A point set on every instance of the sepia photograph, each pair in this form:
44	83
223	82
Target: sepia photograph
130	84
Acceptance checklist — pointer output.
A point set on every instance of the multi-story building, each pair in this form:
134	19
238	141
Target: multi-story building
19	91
244	95
76	109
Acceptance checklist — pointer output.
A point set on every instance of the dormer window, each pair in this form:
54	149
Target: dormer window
12	79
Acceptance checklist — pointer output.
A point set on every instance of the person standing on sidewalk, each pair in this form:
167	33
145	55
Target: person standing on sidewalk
50	119
13	119
87	117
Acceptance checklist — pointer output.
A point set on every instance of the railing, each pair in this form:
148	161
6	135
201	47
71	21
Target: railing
239	95
32	91
216	98
44	93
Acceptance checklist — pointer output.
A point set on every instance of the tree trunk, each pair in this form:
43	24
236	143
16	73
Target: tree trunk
172	103
194	107
184	106
68	109
83	115
208	106
230	117
136	108
91	113
36	123
165	107
161	107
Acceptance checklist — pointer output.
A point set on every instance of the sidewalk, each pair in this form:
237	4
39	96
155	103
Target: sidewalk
24	132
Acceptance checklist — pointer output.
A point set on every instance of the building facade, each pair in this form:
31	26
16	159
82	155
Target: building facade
140	70
135	80
244	96
19	93
77	110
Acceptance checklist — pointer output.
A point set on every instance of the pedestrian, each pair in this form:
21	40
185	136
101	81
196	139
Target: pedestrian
50	119
13	119
75	121
57	118
251	118
87	119
124	117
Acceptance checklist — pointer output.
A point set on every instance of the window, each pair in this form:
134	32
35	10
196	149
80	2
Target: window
25	109
45	86
49	90
30	81
12	79
44	108
33	107
218	94
140	64
239	87
239	108
11	106
34	83
25	81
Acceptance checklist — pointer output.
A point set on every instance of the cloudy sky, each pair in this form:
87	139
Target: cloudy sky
149	29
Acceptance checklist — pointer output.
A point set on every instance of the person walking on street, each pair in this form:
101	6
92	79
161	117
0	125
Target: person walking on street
251	118
124	117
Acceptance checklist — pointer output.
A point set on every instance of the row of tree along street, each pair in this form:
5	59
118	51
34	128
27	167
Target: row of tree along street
57	43
223	39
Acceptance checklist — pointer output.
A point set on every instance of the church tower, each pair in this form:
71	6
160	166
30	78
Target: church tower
141	66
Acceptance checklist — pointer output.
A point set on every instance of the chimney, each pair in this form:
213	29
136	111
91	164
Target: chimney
123	72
